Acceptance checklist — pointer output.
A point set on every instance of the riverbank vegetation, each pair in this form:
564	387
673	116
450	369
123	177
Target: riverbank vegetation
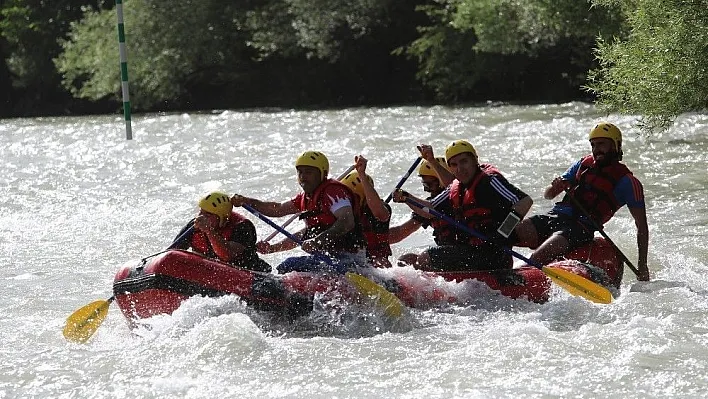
646	57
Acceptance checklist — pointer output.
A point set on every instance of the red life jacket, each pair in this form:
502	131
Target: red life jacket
378	248
466	209
318	220
200	241
595	186
443	232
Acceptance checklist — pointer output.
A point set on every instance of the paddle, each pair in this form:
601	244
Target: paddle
599	228
571	282
83	323
385	300
404	178
293	217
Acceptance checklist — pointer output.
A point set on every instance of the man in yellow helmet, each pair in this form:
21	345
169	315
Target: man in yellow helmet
375	214
601	184
442	231
328	208
481	199
223	234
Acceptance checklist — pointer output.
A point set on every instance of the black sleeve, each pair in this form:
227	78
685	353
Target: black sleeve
245	234
424	222
183	242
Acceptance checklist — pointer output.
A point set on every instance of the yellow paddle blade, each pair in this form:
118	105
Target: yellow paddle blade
578	285
81	325
385	300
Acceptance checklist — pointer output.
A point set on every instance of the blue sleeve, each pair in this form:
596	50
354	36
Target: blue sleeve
629	191
569	175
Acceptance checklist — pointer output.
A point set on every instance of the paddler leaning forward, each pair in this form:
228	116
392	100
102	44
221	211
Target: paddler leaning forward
328	208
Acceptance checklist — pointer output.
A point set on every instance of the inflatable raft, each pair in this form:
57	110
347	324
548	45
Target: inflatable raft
162	283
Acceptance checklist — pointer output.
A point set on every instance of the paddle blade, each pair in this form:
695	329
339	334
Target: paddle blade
385	300
83	323
578	285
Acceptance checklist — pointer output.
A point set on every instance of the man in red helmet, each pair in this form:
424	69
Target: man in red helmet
601	184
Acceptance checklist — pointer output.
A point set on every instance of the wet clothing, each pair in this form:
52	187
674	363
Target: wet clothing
481	205
315	263
318	213
602	190
237	229
375	232
443	233
569	227
468	257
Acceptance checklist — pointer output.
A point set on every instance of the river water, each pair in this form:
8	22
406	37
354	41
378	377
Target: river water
77	201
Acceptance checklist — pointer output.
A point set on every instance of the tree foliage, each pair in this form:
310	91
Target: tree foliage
646	56
469	42
660	69
168	43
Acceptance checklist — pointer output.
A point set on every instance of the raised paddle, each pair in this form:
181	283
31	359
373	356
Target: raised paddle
404	178
83	323
385	300
571	282
599	228
293	217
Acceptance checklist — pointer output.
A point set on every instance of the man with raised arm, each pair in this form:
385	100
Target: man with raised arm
482	200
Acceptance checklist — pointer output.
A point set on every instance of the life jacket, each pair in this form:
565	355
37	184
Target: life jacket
595	186
378	248
200	241
443	232
467	210
318	220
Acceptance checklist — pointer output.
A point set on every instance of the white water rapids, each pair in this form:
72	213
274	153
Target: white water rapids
77	201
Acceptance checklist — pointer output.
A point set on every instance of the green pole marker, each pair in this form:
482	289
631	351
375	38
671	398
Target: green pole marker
124	70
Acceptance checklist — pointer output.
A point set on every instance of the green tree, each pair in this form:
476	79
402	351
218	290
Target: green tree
30	30
490	42
660	69
172	46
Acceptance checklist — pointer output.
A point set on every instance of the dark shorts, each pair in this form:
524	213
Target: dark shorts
316	263
575	232
466	257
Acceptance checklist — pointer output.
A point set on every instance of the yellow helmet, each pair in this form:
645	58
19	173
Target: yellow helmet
218	203
458	147
315	159
608	131
353	181
425	169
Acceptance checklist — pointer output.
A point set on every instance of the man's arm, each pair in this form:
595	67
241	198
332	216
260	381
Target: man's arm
523	205
344	223
640	220
426	152
272	209
373	200
265	247
558	185
562	182
398	233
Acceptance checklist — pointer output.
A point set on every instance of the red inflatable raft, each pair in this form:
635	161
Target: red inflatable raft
165	281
